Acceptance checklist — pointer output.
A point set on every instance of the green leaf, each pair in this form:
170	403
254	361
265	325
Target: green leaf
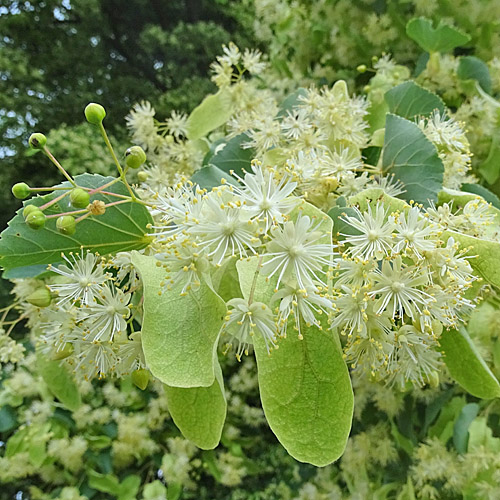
372	196
211	176
486	261
466	366
413	160
444	38
154	491
213	112
199	412
233	157
473	68
461	428
179	333
129	487
107	483
8	418
409	100
304	385
291	101
490	167
484	192
306	395
60	382
121	228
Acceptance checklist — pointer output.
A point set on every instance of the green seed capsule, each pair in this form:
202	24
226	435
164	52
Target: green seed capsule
66	224
140	378
28	209
79	198
21	190
40	297
37	140
36	219
142	176
95	113
63	353
135	157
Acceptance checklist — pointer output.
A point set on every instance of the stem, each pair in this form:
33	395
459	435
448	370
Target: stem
55	200
67	213
58	165
115	159
99	189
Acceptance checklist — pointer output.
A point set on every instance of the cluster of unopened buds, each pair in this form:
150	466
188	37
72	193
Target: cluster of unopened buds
80	197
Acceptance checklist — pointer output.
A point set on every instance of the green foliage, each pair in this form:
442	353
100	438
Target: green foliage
467	366
413	159
180	334
443	38
472	68
410	101
199	412
122	227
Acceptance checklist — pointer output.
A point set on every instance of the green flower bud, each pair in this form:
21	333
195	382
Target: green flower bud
63	353
140	378
135	157
142	176
36	219
361	68
95	113
66	224
37	141
79	198
21	190
40	297
28	209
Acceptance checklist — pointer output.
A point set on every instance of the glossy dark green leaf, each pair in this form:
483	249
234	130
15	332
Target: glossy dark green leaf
413	160
410	100
211	176
233	156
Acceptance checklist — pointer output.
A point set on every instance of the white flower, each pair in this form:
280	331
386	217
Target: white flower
397	288
106	318
177	124
86	278
232	54
264	197
252	61
414	232
444	131
245	320
295	123
375	240
300	306
95	358
296	252
391	186
225	229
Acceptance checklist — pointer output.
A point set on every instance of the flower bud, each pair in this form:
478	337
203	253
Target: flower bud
95	113
142	176
140	378
21	190
40	297
63	353
66	224
361	68
79	198
36	219
135	157
28	209
37	140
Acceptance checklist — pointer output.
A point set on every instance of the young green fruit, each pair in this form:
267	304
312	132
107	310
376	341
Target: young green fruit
28	209
79	198
37	140
140	378
142	176
40	297
21	190
36	219
135	157
66	224
95	113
